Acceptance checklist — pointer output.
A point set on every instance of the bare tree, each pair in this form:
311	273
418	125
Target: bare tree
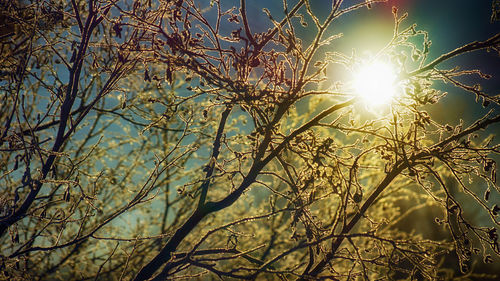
191	140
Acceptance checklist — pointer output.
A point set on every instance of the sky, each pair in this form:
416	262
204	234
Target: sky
452	24
449	23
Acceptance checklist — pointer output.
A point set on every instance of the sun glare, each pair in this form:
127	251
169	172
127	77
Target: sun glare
375	83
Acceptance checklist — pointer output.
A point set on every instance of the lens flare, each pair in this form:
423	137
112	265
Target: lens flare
376	83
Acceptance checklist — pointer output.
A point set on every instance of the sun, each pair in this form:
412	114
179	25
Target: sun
375	83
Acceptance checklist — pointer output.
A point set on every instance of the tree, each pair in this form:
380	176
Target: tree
181	139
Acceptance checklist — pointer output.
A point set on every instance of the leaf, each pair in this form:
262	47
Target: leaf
254	62
357	197
117	28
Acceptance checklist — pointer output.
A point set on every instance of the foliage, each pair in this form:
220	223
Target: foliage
179	139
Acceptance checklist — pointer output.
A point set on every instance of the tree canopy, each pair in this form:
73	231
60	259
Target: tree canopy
209	140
